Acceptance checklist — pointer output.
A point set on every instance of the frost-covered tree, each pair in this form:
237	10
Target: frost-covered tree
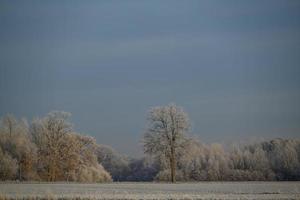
49	150
114	162
50	134
9	124
8	167
284	158
16	143
87	167
166	134
62	153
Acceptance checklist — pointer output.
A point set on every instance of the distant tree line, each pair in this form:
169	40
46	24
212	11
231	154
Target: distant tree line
48	149
274	160
166	143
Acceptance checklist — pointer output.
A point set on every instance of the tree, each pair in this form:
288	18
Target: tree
10	122
50	135
81	160
114	162
166	134
64	155
16	143
8	167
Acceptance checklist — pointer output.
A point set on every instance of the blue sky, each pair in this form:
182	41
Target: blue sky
232	65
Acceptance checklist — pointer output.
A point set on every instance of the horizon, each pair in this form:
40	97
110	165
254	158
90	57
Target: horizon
233	66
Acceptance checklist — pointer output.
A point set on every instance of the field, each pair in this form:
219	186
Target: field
202	190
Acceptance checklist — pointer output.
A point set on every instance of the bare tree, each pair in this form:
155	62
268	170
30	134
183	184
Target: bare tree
166	134
64	154
10	122
50	135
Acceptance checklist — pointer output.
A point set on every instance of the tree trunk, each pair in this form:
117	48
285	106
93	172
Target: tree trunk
173	165
20	165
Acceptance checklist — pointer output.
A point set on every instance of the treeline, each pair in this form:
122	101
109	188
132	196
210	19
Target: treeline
274	160
48	149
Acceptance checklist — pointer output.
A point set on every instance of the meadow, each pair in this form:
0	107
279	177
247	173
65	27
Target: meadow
199	190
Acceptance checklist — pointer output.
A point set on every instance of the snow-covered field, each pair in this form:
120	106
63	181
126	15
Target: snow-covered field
202	190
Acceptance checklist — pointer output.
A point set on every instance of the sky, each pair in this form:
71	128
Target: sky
234	66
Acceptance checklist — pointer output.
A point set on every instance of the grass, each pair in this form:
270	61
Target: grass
187	191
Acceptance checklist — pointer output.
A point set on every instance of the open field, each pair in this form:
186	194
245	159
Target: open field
202	190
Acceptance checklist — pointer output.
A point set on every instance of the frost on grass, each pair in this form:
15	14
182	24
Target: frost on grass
203	190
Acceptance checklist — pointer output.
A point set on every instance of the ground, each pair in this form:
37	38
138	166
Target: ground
201	190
